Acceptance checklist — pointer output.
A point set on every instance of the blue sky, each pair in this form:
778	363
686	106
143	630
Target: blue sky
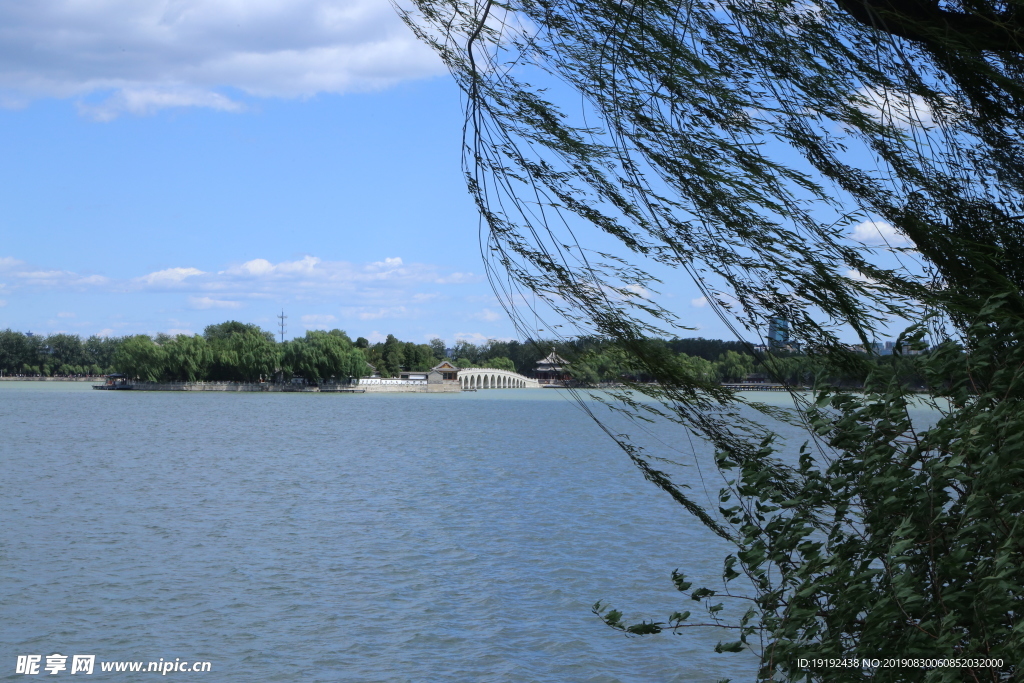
173	164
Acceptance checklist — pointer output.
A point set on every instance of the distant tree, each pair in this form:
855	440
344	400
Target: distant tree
419	356
15	352
225	330
699	368
256	355
582	372
342	334
438	348
525	355
99	351
320	355
467	350
373	356
138	357
500	364
708	349
392	357
362	343
65	350
188	358
241	352
734	367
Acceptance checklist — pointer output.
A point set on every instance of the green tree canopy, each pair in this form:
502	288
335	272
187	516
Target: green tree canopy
322	355
392	357
187	358
65	349
254	354
138	357
225	330
500	363
438	348
734	367
15	351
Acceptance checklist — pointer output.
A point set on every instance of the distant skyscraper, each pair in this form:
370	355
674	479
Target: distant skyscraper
778	332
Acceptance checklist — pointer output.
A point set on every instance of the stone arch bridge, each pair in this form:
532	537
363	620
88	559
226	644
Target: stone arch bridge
490	378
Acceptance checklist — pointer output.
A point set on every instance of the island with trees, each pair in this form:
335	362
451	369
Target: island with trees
243	352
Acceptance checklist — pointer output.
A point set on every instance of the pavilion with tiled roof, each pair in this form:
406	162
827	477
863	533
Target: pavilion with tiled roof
551	368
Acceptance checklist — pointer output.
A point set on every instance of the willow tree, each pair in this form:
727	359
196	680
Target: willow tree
740	142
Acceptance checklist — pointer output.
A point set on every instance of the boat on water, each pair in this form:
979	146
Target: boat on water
114	381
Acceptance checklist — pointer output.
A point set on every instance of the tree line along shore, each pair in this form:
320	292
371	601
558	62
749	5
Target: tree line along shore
238	352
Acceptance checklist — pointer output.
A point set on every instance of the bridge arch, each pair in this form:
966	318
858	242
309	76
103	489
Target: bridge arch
492	378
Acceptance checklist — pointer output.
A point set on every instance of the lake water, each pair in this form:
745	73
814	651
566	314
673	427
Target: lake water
308	537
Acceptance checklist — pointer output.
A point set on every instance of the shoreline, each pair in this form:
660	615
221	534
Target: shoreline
97	378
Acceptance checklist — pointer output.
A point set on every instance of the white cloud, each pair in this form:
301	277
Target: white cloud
391	312
28	275
264	268
7	263
92	280
896	108
258	267
457	278
472	337
390	290
877	233
132	57
205	303
377	282
487	315
699	302
145	101
169	276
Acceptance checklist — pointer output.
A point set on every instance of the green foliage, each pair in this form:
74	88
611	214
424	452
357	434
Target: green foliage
224	331
138	357
741	143
65	349
15	351
240	352
60	353
100	350
499	364
419	356
437	348
322	355
392	357
734	367
187	358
